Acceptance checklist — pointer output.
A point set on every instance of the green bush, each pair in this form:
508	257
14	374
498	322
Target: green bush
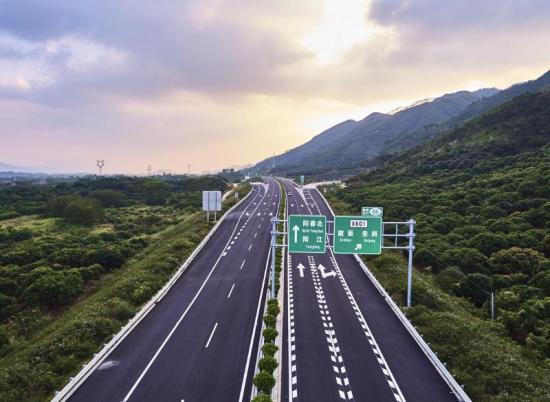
268	363
120	309
83	211
54	288
269	349
270	334
270	320
264	381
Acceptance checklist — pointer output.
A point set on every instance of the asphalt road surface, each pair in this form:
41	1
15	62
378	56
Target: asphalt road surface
200	341
343	342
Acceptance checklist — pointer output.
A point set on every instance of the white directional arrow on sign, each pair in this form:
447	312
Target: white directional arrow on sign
358	247
325	274
295	229
301	269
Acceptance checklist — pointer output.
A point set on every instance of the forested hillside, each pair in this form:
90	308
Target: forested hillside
77	259
481	198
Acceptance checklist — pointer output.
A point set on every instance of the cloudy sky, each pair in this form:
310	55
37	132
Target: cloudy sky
215	83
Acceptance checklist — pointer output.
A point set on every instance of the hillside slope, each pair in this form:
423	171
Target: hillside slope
416	137
349	143
481	197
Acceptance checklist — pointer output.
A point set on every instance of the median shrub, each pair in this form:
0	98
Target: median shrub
270	334
270	320
268	363
264	381
269	349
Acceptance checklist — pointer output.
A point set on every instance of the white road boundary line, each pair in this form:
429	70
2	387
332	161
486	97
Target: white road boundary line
96	361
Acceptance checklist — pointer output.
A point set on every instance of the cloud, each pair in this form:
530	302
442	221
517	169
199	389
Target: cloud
172	82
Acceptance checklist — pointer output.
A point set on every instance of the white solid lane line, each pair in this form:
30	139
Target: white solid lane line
242	265
249	247
230	291
211	335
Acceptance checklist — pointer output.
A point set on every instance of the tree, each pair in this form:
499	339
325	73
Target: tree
541	281
488	243
476	287
54	288
155	192
515	259
108	198
83	211
468	259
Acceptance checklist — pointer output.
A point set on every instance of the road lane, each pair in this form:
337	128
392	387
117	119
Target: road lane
162	359
330	353
415	374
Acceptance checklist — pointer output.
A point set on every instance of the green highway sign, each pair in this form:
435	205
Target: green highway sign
307	233
357	235
372	211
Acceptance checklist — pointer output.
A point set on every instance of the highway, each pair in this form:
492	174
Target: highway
343	341
200	341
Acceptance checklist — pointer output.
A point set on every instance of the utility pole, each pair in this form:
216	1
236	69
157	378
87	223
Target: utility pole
100	164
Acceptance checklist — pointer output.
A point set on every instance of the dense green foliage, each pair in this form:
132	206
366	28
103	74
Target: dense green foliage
480	196
65	288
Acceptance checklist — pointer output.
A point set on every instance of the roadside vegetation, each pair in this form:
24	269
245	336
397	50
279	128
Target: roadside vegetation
74	271
480	195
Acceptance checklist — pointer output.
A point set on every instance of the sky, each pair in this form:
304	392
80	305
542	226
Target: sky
219	83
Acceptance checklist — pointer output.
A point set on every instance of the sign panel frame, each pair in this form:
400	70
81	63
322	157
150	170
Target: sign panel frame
356	226
212	200
304	229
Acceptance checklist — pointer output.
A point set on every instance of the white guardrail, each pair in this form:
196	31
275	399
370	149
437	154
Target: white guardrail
98	358
440	367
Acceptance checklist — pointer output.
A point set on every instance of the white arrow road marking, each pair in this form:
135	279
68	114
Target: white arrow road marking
301	269
295	229
324	274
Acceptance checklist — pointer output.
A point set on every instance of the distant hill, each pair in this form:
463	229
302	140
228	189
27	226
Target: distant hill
415	137
4	167
351	142
351	146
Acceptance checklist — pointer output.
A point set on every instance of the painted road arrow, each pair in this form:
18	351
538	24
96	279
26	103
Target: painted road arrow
301	269
325	274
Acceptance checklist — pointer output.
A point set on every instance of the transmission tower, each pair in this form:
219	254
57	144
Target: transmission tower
149	170
188	169
100	164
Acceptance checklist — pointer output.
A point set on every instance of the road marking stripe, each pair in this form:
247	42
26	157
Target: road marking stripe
231	291
242	265
211	335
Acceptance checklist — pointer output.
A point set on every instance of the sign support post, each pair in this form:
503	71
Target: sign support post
411	223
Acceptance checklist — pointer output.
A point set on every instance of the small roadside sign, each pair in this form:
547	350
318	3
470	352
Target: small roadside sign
372	211
357	235
307	233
